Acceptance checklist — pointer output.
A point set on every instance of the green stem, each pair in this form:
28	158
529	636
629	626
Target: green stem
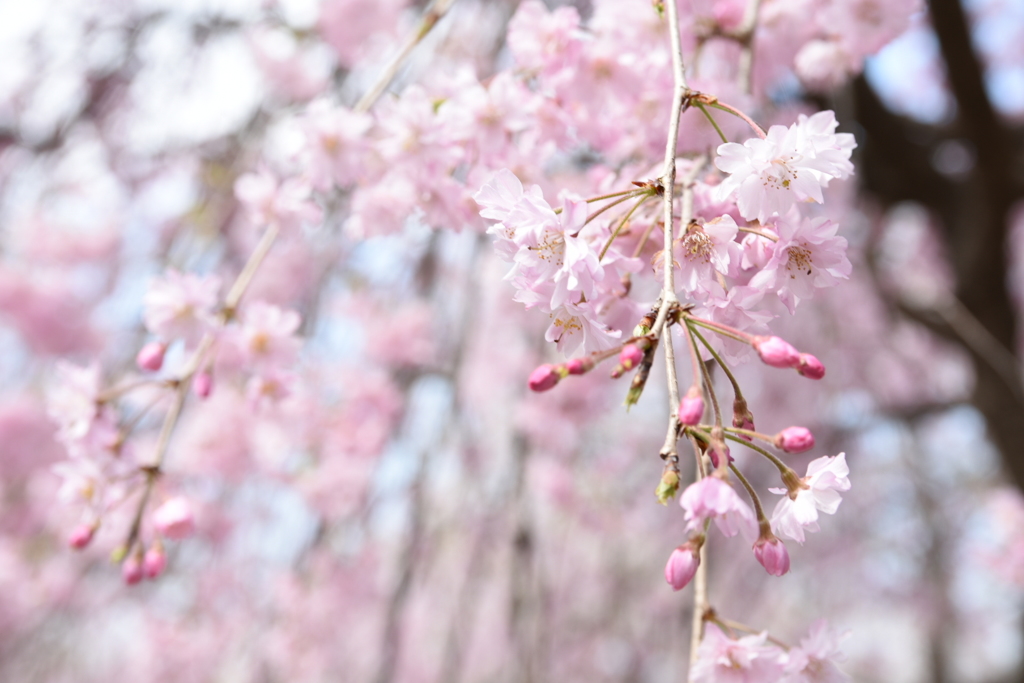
611	204
721	329
728	373
750	492
620	226
783	467
707	379
712	120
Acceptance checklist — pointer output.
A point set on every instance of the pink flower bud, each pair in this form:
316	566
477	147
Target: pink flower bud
682	566
777	352
81	536
131	569
795	439
544	377
202	384
630	356
578	366
691	408
772	554
742	418
155	561
151	356
810	367
174	519
716	450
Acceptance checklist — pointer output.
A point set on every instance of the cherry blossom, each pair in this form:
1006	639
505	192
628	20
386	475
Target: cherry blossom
788	166
749	659
797	512
814	661
712	498
808	256
181	306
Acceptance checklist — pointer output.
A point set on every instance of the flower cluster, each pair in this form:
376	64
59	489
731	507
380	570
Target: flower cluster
752	659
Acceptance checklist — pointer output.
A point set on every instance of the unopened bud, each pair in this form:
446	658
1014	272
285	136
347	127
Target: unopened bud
718	448
794	439
691	408
682	566
667	487
131	569
544	377
810	367
578	366
630	356
202	384
155	561
777	352
742	418
81	536
772	554
174	519
151	356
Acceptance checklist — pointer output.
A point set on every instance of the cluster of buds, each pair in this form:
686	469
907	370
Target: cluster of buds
779	353
172	520
635	354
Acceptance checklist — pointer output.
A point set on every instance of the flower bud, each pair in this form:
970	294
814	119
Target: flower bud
810	367
794	439
155	561
579	366
691	408
742	418
174	519
667	487
131	569
682	566
777	352
81	536
630	356
202	384
772	554
151	356
544	377
717	448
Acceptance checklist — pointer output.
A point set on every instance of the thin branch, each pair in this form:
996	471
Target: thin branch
430	17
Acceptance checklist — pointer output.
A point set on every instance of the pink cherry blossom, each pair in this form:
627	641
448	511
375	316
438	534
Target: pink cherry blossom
749	659
174	519
712	498
544	41
808	256
814	661
705	250
266	336
798	512
285	204
771	175
181	306
335	143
